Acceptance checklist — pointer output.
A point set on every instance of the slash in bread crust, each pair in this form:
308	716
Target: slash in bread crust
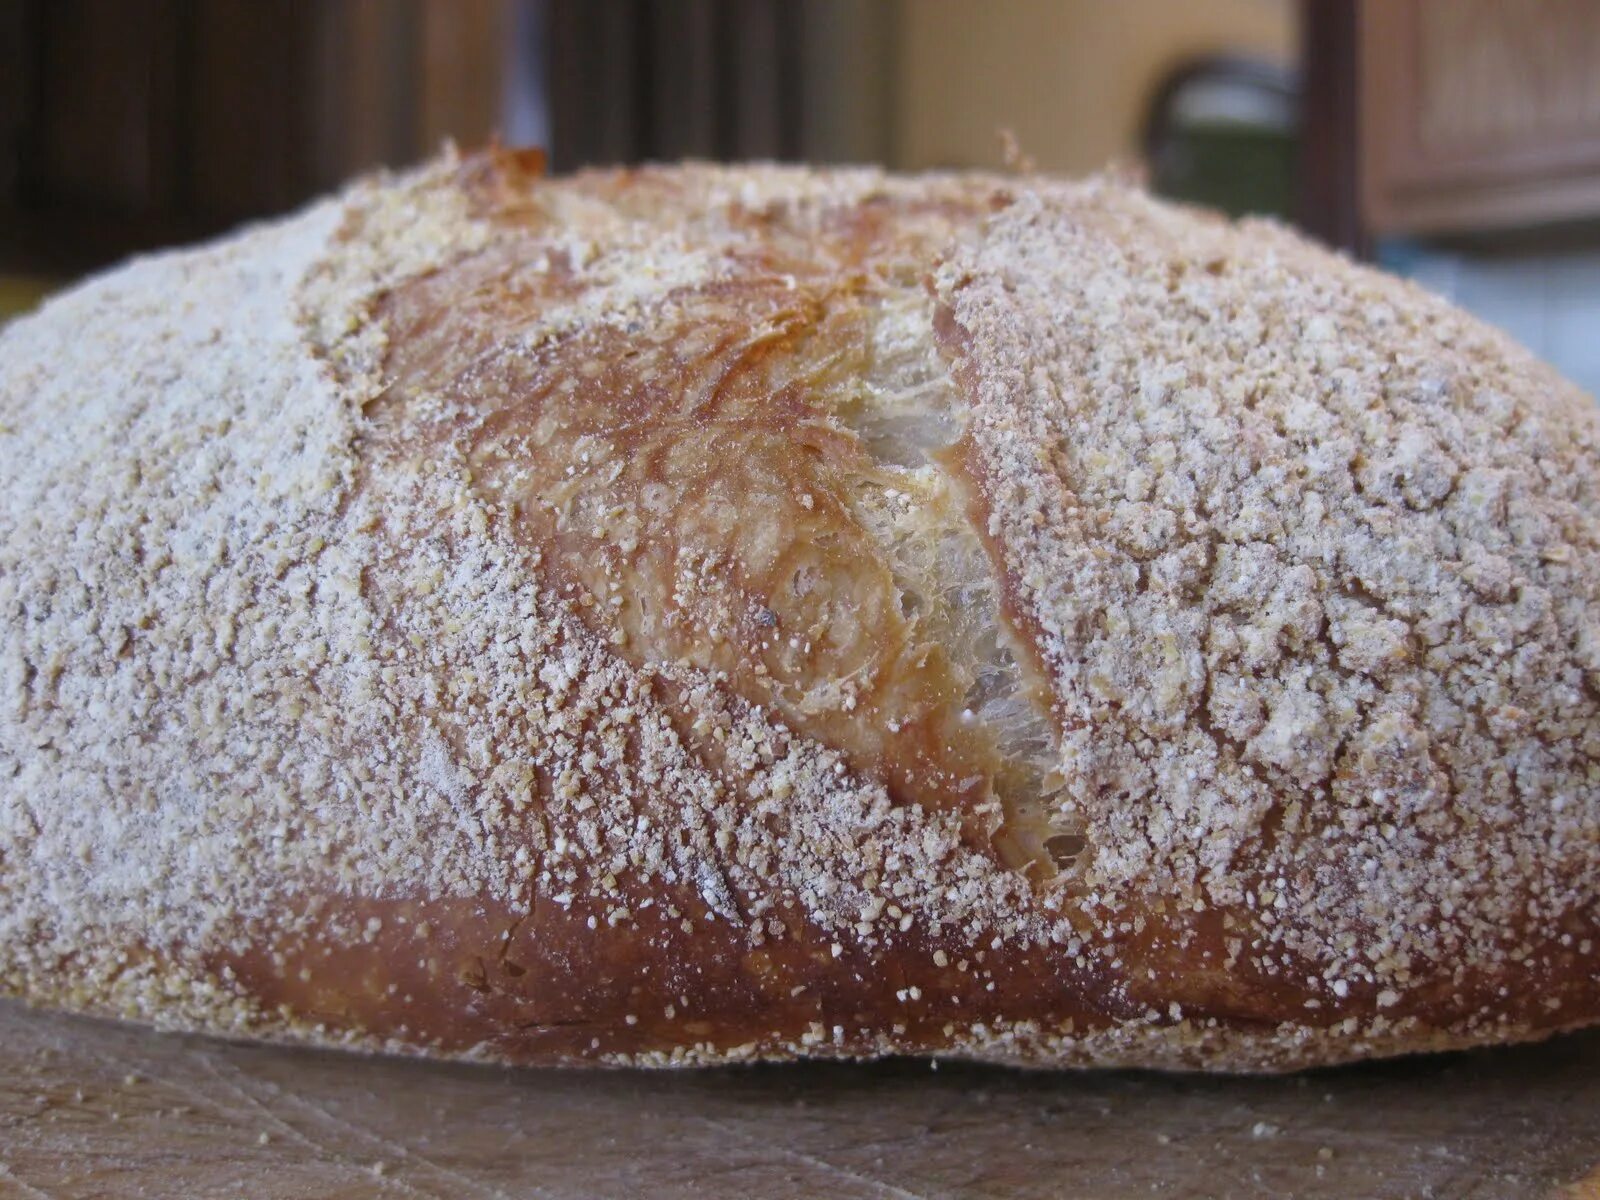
698	614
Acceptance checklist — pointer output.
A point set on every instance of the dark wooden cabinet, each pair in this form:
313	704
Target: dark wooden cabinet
128	124
1479	114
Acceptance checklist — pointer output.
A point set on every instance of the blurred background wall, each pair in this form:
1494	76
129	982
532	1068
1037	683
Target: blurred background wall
1455	140
1073	79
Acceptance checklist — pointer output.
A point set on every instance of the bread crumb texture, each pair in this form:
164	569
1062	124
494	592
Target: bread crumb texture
703	614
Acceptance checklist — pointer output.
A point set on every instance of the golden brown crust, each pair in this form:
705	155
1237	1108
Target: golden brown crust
699	614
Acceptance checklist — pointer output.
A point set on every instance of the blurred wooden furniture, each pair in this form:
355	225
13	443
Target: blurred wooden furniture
1328	204
128	124
1479	114
656	80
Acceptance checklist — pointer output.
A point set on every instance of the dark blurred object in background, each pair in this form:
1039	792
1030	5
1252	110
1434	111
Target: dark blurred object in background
129	124
1224	132
658	80
136	123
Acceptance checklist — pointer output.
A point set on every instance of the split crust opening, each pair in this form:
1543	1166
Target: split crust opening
761	477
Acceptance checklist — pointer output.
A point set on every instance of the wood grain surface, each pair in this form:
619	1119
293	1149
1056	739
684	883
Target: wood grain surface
97	1110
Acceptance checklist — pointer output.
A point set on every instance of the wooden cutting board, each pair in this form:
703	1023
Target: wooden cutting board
96	1110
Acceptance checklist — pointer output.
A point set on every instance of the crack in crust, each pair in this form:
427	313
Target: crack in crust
747	470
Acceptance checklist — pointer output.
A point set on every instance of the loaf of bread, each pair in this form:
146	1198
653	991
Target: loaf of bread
701	614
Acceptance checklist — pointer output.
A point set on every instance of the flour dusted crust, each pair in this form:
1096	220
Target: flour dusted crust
703	614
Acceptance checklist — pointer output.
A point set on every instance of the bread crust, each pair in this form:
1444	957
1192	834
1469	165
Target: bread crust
702	614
